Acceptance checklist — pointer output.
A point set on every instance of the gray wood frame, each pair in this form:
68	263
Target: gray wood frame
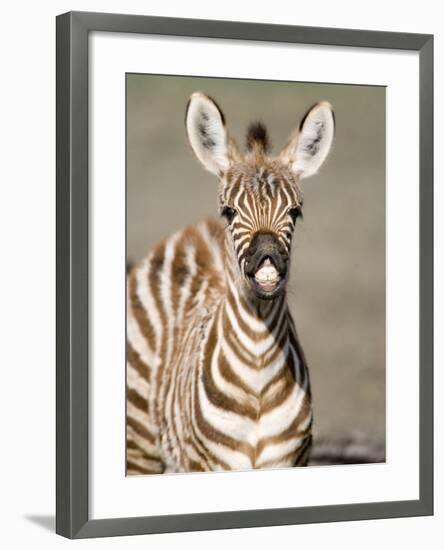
72	518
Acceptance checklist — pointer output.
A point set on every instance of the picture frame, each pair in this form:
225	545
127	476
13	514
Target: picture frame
73	257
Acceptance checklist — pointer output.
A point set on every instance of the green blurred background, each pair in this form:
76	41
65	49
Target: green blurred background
337	284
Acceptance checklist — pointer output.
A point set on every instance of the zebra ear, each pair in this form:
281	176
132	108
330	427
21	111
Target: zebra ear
205	124
309	146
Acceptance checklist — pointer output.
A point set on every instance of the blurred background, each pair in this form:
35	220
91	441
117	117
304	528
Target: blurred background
337	285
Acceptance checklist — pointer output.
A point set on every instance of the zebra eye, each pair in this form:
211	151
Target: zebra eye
228	213
295	213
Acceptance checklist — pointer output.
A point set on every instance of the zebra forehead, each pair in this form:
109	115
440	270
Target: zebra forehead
262	184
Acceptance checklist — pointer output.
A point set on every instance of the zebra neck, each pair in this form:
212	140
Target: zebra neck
257	330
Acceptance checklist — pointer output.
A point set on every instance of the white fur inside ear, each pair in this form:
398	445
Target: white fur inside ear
307	151
206	133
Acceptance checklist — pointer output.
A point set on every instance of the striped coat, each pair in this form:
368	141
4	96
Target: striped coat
216	377
212	383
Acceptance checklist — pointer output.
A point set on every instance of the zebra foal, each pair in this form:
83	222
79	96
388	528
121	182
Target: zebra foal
216	377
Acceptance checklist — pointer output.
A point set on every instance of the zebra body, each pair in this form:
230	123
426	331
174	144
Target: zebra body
216	377
218	384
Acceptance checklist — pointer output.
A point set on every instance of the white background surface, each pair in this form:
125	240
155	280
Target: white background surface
113	495
27	401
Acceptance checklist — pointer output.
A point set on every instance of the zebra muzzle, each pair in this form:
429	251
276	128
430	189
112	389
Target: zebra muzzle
267	276
266	265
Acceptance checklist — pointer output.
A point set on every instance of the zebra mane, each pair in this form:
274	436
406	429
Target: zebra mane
257	138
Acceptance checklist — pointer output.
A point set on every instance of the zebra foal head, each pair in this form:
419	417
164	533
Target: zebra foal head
259	195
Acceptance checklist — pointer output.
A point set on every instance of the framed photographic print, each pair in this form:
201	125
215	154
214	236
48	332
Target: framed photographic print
244	275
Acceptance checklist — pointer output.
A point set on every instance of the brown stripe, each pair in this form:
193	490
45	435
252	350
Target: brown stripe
138	311
290	432
239	234
137	400
136	362
215	396
154	284
233	189
217	436
273	462
205	456
279	379
195	466
227	372
134	468
281	339
199	445
140	429
253	335
274	327
286	373
236	345
180	271
137	453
